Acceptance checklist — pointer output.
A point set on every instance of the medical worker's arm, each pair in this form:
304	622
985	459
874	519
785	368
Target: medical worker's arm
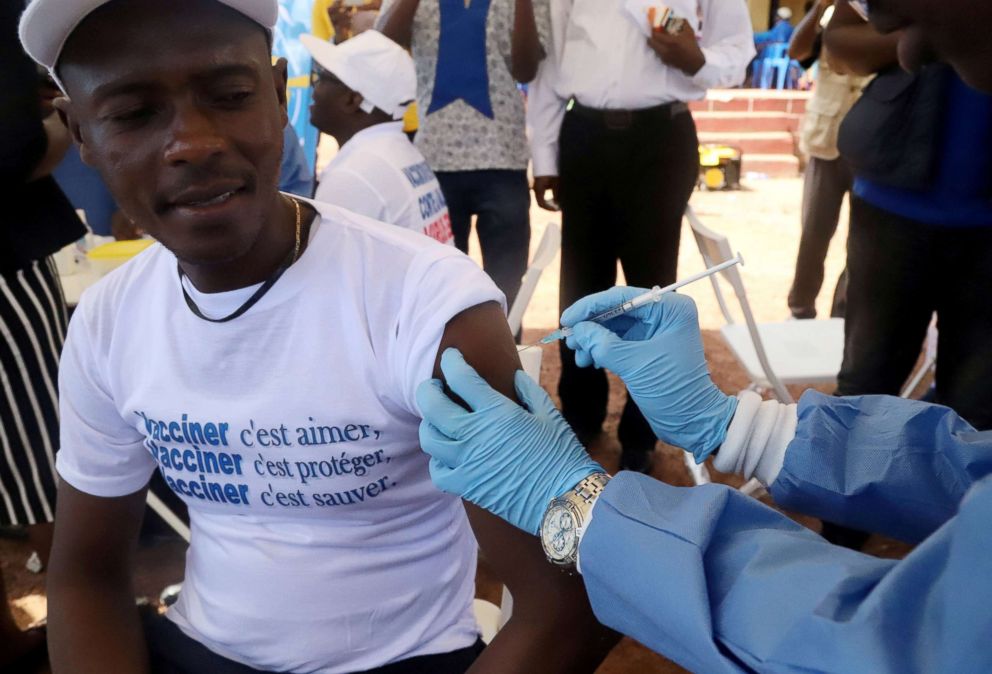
709	577
721	583
93	624
880	463
552	628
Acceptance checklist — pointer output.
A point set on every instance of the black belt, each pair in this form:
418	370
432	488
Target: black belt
613	118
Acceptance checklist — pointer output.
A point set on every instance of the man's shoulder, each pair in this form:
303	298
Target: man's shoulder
112	303
147	267
398	265
378	240
391	147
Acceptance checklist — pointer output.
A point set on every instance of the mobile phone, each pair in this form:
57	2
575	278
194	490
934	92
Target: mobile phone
664	19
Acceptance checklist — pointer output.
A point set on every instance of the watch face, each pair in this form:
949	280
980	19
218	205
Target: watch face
559	533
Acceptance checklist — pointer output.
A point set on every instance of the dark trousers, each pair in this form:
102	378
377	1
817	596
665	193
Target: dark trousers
623	191
500	200
900	272
825	184
172	652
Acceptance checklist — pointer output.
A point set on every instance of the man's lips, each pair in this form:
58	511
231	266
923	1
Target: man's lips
206	196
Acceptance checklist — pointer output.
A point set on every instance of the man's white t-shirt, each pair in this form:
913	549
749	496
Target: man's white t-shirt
319	542
380	174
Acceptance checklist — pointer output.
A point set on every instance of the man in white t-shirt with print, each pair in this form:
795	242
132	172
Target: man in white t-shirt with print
363	87
263	356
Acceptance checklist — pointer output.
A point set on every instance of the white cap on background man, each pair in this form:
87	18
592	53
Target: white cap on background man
372	65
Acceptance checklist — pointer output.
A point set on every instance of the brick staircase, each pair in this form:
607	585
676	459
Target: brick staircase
763	124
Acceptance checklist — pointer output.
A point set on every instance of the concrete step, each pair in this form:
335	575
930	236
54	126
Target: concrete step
754	142
752	100
734	122
772	165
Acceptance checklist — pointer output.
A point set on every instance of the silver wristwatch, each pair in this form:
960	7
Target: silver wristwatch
566	518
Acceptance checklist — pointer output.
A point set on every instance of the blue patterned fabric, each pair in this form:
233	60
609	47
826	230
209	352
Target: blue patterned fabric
462	71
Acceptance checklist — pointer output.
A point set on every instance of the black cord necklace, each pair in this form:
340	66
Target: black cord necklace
258	294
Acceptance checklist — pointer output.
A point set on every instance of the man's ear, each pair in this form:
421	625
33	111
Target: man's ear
64	108
355	101
280	75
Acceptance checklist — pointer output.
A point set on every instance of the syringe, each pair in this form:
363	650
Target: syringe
653	295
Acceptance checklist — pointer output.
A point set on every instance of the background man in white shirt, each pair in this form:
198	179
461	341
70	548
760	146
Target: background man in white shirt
623	160
363	88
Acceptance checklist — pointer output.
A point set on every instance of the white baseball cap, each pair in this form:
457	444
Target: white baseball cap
372	65
784	13
47	24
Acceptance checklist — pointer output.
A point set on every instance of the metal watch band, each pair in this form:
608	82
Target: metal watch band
591	487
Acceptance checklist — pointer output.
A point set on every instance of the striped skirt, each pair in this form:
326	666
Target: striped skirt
32	329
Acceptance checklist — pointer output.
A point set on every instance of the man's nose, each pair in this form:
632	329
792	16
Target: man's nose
196	138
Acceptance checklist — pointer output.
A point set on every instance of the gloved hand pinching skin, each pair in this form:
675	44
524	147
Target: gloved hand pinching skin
510	459
657	350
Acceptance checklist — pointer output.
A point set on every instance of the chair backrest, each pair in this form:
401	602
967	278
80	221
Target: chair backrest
545	253
777	50
715	248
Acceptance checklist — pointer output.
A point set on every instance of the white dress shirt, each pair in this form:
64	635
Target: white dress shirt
600	56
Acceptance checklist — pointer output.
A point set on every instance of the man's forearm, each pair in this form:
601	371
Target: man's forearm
552	629
94	627
855	47
525	46
398	24
801	45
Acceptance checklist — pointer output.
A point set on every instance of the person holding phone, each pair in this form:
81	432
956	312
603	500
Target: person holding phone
615	146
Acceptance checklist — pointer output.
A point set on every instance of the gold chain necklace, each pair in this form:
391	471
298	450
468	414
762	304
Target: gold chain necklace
264	288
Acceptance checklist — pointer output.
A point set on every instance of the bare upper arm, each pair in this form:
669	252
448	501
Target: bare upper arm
94	534
546	600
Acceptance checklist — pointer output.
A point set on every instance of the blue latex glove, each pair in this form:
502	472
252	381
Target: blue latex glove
508	459
657	350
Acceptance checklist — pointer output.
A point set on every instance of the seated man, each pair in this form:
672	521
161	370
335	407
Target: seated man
263	356
363	87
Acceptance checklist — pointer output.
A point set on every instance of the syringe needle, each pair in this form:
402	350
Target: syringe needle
654	294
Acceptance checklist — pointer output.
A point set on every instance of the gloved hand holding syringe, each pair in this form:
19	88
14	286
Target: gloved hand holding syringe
653	295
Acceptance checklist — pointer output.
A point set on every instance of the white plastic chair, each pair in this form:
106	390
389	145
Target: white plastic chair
929	361
490	617
772	354
169	517
545	253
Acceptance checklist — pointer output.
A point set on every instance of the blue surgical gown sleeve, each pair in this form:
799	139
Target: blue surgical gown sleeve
720	582
880	463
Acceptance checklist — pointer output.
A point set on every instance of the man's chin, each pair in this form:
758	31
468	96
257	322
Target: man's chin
213	249
913	50
976	75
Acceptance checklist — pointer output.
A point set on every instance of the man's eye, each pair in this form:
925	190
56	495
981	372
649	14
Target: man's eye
234	97
131	115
